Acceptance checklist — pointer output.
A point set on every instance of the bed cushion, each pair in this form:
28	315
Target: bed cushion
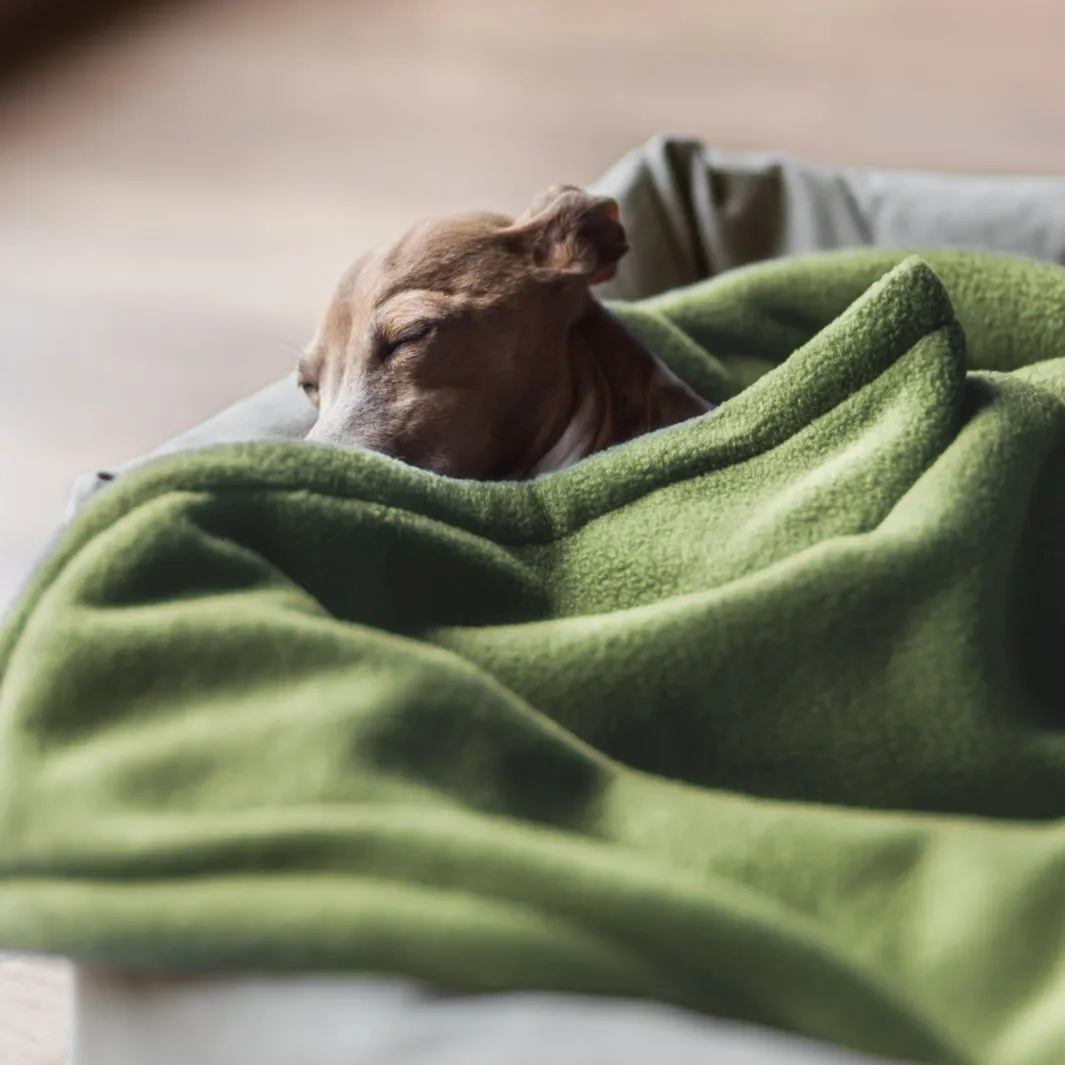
322	1021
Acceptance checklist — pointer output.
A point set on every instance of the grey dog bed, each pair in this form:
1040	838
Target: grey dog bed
691	212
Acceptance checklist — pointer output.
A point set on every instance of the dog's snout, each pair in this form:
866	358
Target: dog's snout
343	432
324	431
316	434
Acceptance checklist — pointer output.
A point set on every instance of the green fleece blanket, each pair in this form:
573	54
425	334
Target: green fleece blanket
761	715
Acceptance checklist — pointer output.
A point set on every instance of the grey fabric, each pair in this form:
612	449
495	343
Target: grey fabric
694	211
691	212
278	412
358	1022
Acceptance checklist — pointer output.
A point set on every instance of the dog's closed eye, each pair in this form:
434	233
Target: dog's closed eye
411	334
309	386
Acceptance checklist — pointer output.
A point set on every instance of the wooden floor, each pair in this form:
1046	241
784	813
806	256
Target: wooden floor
177	198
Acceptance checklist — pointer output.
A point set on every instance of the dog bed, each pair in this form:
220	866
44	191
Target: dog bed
755	717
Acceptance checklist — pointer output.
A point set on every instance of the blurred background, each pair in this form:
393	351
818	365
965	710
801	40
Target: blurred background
181	183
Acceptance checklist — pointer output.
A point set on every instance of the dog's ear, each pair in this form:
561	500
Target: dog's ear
570	233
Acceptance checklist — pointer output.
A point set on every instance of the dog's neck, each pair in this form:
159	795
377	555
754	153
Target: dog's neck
619	390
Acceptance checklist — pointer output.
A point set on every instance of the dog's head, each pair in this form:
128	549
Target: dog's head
448	350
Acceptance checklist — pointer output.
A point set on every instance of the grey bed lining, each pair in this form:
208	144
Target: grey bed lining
694	211
261	1021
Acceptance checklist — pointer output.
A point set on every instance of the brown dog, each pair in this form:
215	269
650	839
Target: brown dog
474	347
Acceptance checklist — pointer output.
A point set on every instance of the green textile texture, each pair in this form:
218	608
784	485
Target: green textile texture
761	715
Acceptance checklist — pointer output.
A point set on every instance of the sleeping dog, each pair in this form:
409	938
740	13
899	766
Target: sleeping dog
474	347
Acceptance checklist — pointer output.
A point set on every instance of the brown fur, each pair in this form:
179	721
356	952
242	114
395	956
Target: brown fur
474	346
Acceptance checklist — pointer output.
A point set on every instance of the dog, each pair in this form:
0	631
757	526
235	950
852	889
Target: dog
474	348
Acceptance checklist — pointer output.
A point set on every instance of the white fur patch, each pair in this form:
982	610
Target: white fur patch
574	442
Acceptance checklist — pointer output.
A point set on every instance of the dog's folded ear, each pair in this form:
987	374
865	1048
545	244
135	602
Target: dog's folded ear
570	233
